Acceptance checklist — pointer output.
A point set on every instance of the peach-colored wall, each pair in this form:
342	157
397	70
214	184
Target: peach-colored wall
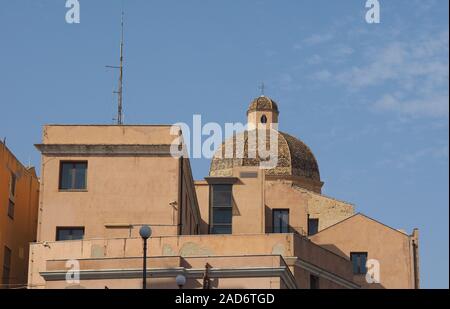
193	267
120	191
248	202
248	205
123	191
323	258
193	252
108	135
202	190
169	246
18	232
258	283
250	197
390	247
280	195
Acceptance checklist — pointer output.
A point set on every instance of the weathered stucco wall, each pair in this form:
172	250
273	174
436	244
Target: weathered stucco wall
121	191
225	272
281	195
328	210
237	246
107	135
390	247
248	201
245	256
125	187
250	197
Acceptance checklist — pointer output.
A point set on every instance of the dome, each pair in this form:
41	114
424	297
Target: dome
295	159
263	103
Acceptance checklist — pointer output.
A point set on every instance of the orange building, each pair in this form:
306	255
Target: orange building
19	198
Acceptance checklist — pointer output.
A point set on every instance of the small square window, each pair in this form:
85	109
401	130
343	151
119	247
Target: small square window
359	260
280	218
69	233
73	176
313	226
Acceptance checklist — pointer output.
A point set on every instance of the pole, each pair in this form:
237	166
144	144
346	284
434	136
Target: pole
144	269
120	91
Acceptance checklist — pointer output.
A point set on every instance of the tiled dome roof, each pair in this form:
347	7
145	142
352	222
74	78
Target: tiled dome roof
294	158
263	103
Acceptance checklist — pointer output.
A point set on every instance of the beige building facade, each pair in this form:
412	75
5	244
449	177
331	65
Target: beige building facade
240	227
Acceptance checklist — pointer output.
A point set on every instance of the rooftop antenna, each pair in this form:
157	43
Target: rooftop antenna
119	91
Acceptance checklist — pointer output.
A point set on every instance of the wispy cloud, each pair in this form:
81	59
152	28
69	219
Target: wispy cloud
434	106
418	71
322	75
402	62
314	59
412	158
317	38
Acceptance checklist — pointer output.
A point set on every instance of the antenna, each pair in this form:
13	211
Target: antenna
119	91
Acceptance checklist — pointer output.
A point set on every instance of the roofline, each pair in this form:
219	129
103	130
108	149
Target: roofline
324	195
107	125
306	238
30	170
365	216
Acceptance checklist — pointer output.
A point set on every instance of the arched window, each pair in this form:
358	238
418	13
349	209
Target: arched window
264	119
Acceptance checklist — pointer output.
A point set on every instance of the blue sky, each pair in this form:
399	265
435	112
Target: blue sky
370	100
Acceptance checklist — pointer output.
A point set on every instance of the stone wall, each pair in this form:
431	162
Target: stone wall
329	211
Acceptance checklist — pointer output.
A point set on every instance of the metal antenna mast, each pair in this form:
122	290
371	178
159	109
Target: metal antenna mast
119	92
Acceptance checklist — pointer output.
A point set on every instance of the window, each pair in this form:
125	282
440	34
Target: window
359	260
6	266
280	222
73	176
12	185
11	209
264	119
313	226
69	233
313	282
221	209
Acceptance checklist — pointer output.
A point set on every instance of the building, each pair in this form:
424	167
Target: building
240	227
19	196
